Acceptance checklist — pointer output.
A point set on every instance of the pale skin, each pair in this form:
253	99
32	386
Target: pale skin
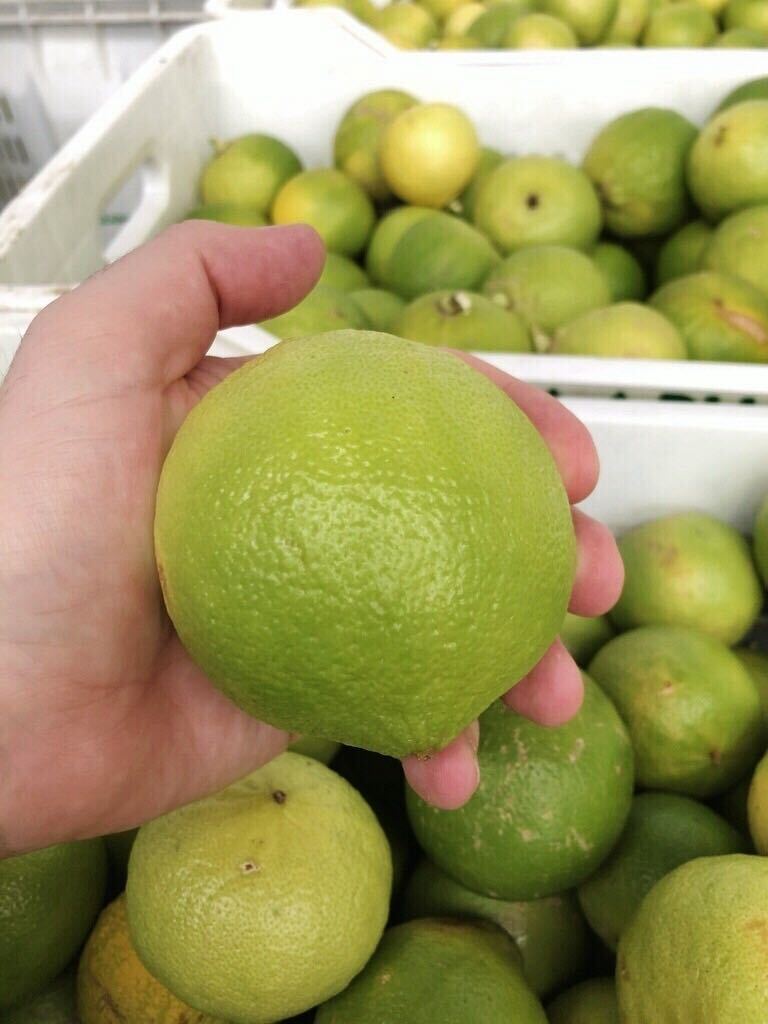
105	722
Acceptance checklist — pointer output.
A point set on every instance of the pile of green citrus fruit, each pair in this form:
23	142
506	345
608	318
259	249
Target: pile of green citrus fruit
656	246
561	24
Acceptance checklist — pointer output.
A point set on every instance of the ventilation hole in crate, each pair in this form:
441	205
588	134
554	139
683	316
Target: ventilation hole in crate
121	206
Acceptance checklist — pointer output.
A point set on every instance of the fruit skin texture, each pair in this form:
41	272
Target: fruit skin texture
550	805
550	933
591	1002
264	899
637	165
625	329
625	276
589	19
739	246
720	316
113	985
585	636
54	1005
755	89
463	320
537	200
429	153
681	253
685	24
438	970
760	540
663	831
746	14
728	163
757	807
358	138
688	569
691	708
364	492
48	902
695	952
248	171
334	205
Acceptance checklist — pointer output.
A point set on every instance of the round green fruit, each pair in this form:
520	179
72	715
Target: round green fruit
408	25
248	171
742	39
342	274
463	320
380	309
465	204
358	138
537	31
751	14
755	89
682	252
324	309
628	22
229	213
490	28
584	637
625	276
625	330
334	205
739	246
680	25
589	19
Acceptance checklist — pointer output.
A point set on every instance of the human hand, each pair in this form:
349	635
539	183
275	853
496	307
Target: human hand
105	722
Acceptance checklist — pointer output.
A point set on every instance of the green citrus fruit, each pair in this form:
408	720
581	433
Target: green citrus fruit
465	204
728	164
387	235
463	320
56	1004
622	271
755	89
682	252
324	309
334	205
756	663
585	636
680	25
380	309
739	246
314	746
589	19
537	31
114	987
342	273
550	933
408	25
760	540
695	951
591	1002
691	708
48	901
441	9
742	39
438	970
429	154
248	171
548	285
490	28
626	329
533	827
746	14
461	19
719	315
628	22
229	213
757	807
393	593
358	138
536	200
637	165
663	831
265	899
457	43
688	569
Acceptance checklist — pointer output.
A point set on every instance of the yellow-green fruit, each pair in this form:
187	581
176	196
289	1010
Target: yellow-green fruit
48	902
662	832
399	577
728	164
757	807
457	43
314	746
441	9
691	708
465	204
533	827
625	329
408	26
248	171
695	952
56	1004
119	846
747	14
739	246
334	205
342	273
379	308
229	213
628	22
755	89
685	24
387	235
682	252
461	19
756	663
114	987
637	165
491	27
265	899
688	569
429	153
719	315
584	637
324	309
622	271
537	31
438	970
550	933
589	19
548	285
358	138
537	200
742	39
463	320
591	1002
760	540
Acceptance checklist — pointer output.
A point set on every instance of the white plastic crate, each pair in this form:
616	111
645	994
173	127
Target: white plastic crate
232	76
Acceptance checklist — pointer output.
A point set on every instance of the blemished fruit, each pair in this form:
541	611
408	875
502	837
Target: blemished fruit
334	205
584	636
537	200
728	163
437	969
429	153
691	708
342	273
686	24
48	901
265	899
663	831
465	204
56	1004
628	22
622	271
548	285
626	329
533	827
589	19
755	89
719	315
463	320
756	663
362	539
229	213
590	1002
537	31
739	246
550	933
114	987
695	951
757	807
248	171
314	746
682	252
760	540
324	309
379	308
688	569
637	165
358	138
408	25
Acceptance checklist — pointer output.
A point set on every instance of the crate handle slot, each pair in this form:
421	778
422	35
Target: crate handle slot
129	219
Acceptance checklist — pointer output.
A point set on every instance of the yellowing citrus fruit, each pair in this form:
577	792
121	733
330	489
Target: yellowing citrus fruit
757	807
248	172
334	205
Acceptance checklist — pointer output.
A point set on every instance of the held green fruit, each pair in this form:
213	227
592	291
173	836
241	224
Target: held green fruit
463	320
728	164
